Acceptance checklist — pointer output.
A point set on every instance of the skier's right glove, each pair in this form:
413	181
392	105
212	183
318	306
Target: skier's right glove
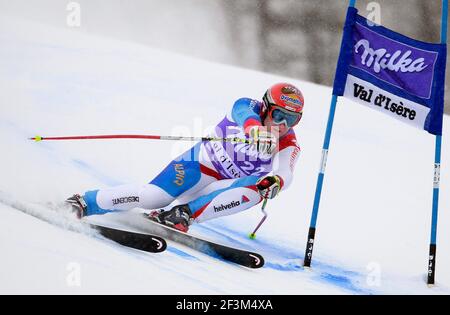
262	140
269	186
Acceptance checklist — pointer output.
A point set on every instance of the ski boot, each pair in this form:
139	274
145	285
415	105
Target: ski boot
179	217
79	206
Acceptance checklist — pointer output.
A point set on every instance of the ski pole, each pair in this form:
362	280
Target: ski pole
261	185
147	137
263	209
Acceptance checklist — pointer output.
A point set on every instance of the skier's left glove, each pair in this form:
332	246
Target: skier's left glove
269	186
262	139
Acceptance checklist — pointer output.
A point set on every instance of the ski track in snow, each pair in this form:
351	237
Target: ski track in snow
89	169
287	259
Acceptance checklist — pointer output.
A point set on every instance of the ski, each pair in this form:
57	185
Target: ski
141	241
239	256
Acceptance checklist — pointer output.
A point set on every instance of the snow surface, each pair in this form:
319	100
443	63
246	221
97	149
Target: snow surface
374	220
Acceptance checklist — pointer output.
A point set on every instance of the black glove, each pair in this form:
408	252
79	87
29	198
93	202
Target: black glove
269	186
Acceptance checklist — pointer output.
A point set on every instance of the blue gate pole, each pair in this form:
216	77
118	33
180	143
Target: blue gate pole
315	212
326	146
437	169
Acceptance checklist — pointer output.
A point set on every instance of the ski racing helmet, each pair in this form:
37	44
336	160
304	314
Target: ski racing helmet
283	103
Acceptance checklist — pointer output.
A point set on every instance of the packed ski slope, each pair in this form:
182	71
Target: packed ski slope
374	221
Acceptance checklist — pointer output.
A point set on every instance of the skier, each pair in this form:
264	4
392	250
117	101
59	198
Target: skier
218	178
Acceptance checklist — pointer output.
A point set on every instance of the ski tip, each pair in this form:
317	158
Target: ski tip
257	260
160	244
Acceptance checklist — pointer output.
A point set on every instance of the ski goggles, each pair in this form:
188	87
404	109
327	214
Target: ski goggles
280	116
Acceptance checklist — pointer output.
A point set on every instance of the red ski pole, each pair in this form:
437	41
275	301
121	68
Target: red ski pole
263	209
147	137
263	184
